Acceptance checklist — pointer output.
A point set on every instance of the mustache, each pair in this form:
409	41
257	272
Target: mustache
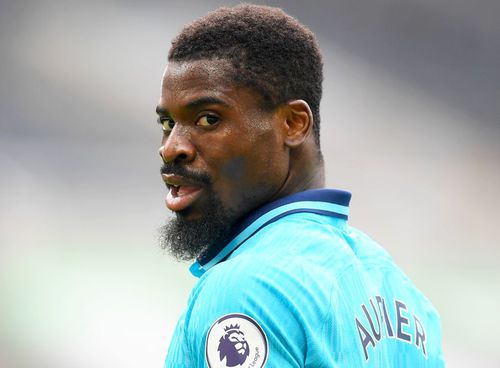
197	177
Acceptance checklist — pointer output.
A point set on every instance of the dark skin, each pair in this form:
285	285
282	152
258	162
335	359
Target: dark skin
214	127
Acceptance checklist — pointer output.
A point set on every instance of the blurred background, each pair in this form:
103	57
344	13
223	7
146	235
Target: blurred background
410	125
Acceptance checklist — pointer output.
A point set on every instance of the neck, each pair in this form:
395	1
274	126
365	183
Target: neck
306	172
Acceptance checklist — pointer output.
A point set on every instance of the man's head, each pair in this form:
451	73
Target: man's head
269	50
240	114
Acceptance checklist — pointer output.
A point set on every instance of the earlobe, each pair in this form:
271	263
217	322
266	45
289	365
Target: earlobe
299	122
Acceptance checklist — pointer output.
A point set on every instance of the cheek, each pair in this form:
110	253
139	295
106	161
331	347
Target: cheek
253	177
250	169
235	168
263	167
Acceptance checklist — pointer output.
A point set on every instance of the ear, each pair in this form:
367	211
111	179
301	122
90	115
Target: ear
299	122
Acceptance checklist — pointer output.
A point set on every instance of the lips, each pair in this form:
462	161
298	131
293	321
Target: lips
182	193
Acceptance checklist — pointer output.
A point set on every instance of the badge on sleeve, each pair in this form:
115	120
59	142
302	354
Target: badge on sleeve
236	340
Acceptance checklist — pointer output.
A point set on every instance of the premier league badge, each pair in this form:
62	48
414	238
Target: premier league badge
236	340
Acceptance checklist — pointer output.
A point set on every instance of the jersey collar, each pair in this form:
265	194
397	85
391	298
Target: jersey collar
329	202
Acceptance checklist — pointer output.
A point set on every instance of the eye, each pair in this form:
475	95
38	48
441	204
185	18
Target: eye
166	123
207	120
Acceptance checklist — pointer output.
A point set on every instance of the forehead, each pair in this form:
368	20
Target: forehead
216	71
184	81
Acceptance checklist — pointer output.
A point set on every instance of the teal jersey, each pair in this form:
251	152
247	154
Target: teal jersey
298	287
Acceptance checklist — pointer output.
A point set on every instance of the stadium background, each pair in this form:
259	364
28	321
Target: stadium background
410	125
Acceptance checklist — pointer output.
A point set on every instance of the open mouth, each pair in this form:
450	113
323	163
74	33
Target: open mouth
181	194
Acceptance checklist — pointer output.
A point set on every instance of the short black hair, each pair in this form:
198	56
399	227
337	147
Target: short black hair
271	52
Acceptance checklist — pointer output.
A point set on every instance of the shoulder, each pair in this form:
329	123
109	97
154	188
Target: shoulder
251	303
255	281
293	261
298	254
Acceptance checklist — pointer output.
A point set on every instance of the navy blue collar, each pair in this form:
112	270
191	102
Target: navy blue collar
329	202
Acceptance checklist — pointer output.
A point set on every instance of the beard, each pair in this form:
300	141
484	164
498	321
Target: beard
187	239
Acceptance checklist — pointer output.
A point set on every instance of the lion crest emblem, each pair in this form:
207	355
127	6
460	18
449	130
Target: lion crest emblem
233	346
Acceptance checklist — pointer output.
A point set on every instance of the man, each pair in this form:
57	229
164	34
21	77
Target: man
284	281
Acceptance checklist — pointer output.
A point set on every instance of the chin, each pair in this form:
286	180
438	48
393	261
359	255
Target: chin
188	214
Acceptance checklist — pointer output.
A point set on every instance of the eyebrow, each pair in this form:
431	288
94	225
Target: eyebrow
202	101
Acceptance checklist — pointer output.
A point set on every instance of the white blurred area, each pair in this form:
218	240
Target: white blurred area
410	125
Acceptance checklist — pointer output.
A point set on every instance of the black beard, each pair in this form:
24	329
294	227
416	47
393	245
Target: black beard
188	239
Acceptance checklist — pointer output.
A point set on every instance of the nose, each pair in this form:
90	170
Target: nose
177	147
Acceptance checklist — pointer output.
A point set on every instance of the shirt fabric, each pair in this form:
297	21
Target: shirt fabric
298	287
